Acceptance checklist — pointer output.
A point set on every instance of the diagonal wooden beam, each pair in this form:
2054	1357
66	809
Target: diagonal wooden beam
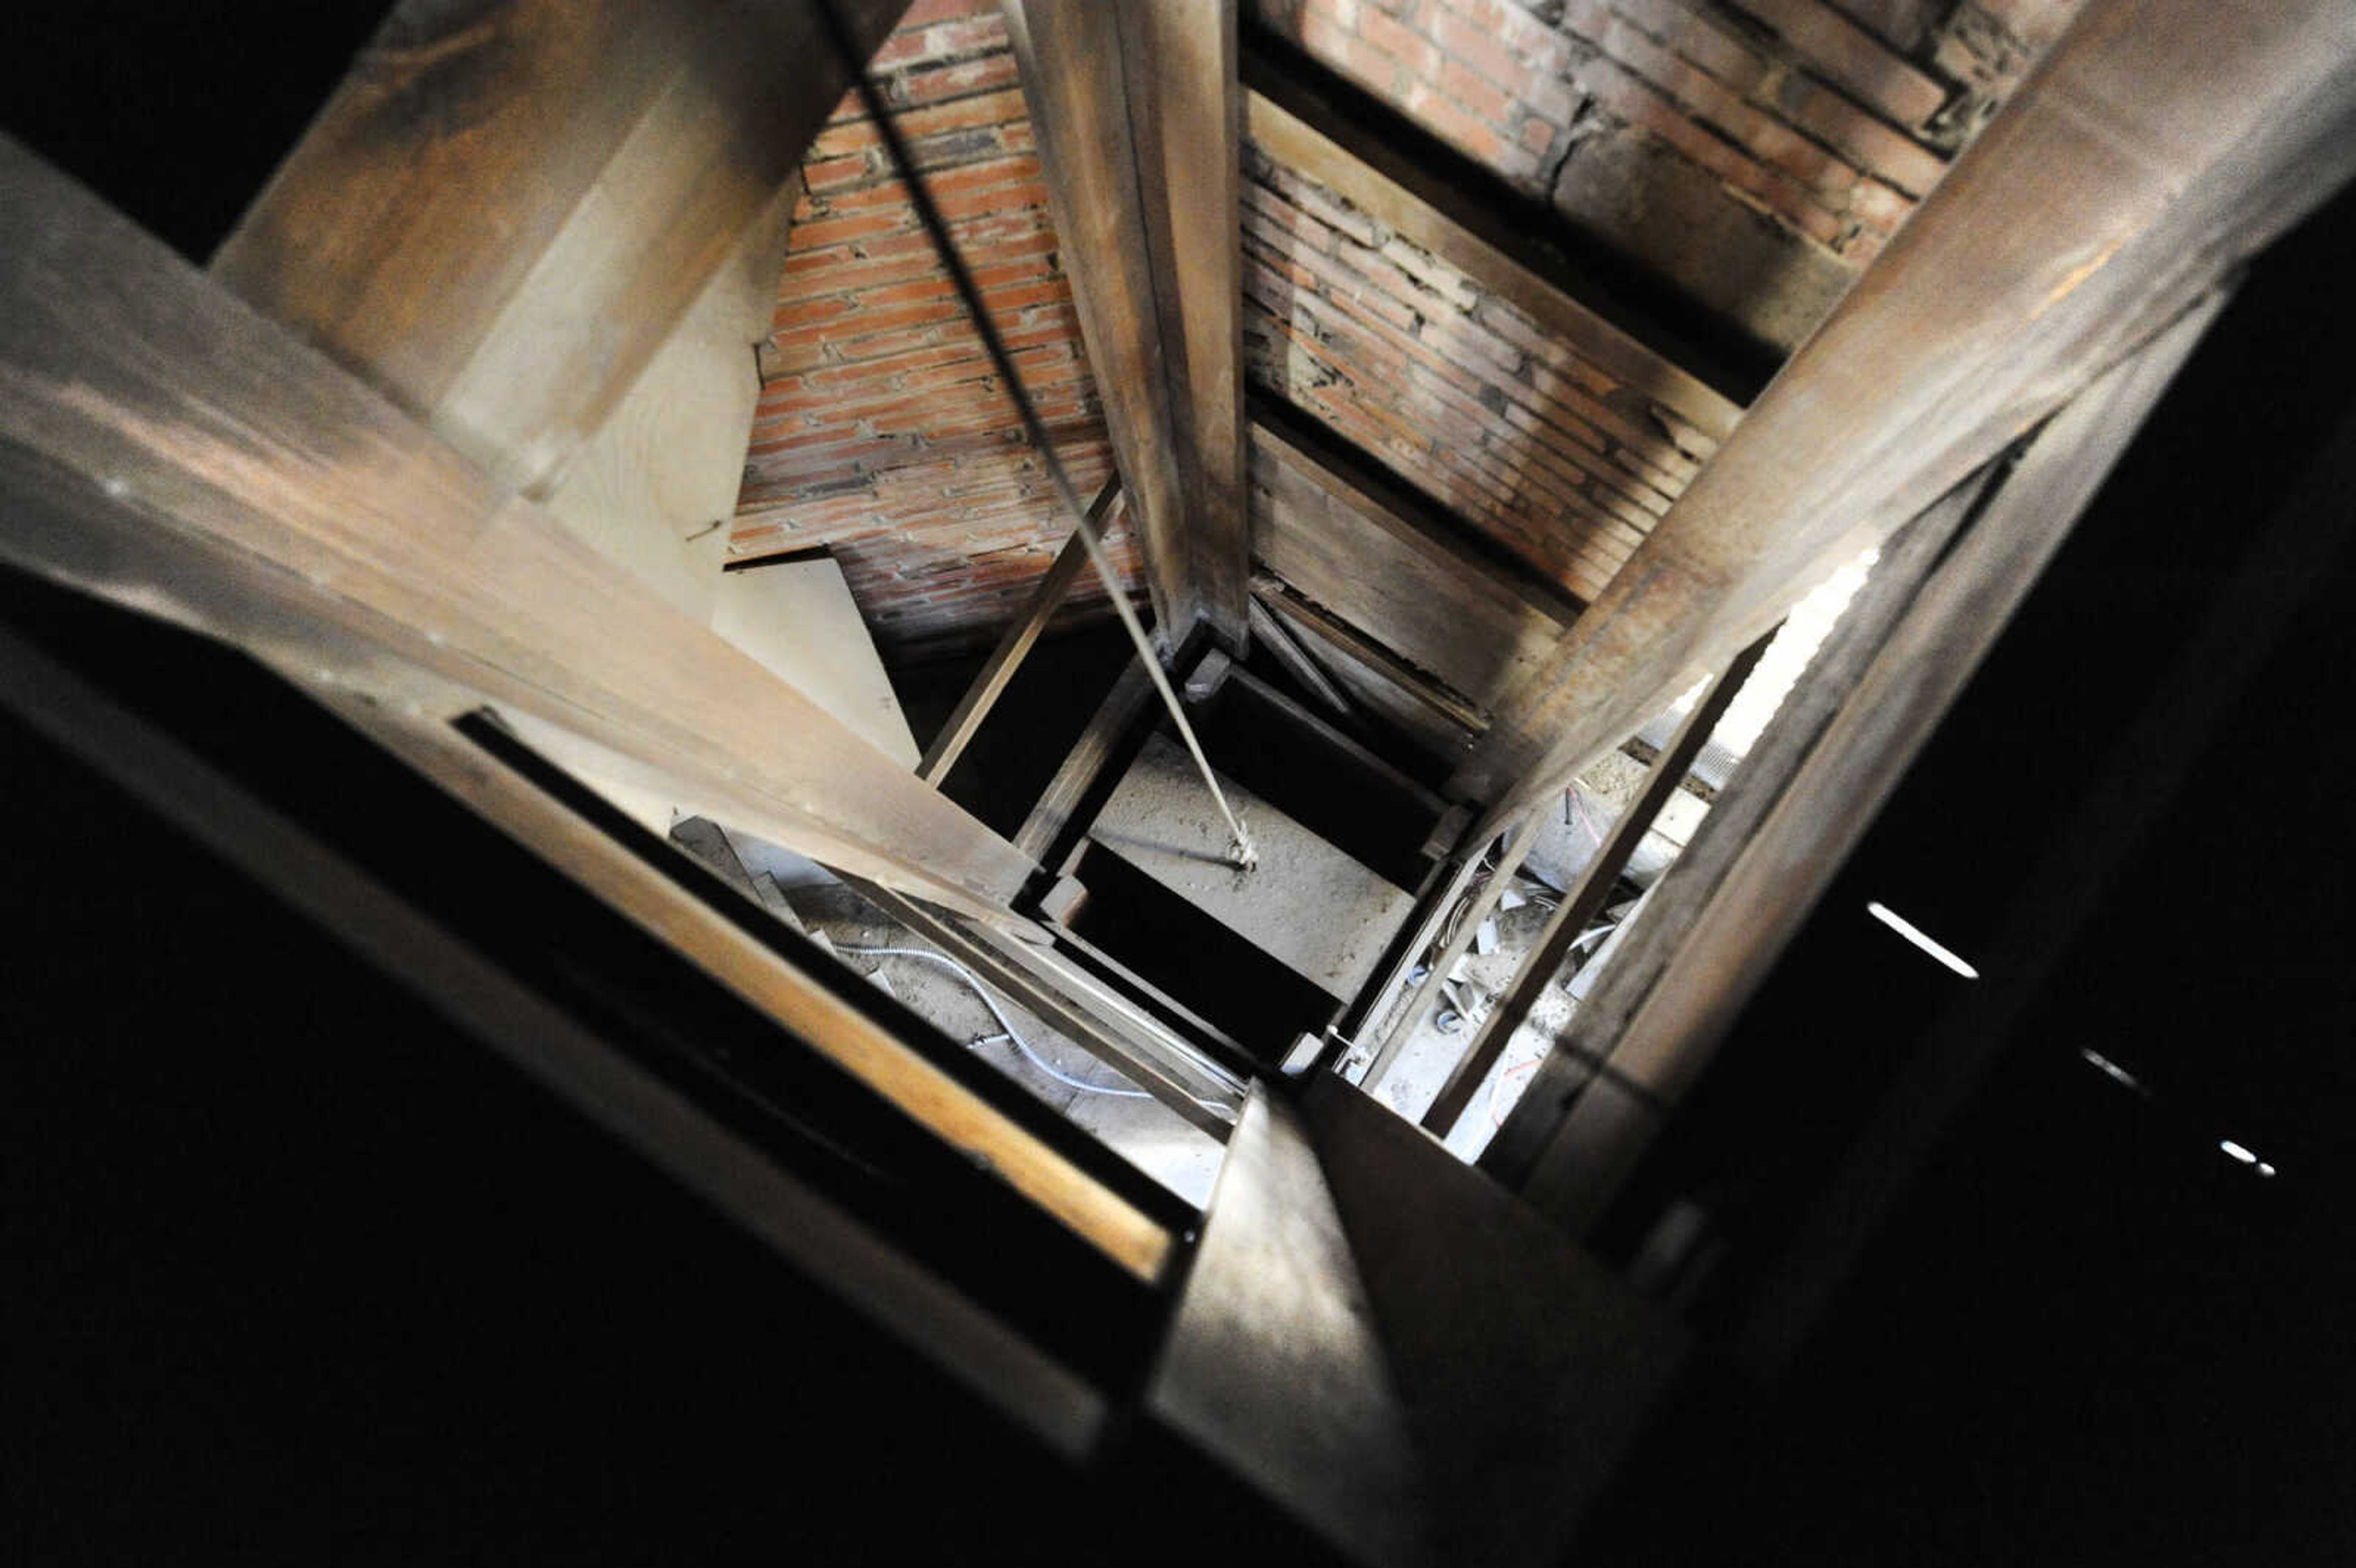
998	669
1784	825
1585	901
1136	110
224	475
2155	149
505	210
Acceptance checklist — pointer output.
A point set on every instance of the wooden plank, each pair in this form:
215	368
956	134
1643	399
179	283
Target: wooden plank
269	498
1479	905
1054	818
1133	104
1782	828
2153	151
548	1042
1526	1368
504	212
1419	709
1352	539
1017	641
1283	647
1287	119
1274	1365
1584	901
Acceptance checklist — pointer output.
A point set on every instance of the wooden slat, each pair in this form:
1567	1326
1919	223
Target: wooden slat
1054	815
271	500
1134	105
1283	119
1269	634
1420	706
1782	828
551	1043
1526	1368
1585	901
998	669
2157	145
505	210
1350	539
1274	1365
1478	907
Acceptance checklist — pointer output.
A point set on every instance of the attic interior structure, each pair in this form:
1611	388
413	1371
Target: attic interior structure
570	543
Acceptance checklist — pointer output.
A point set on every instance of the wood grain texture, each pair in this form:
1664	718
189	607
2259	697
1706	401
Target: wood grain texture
1586	899
1785	824
1134	105
506	207
271	500
1345	539
1436	718
1014	643
1274	1364
2161	141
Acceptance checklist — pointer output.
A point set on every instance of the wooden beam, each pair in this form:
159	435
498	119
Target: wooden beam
241	484
2154	150
1586	899
1020	636
1337	528
1424	707
1055	817
1291	121
1779	831
504	212
1480	904
1270	633
1137	111
1274	1365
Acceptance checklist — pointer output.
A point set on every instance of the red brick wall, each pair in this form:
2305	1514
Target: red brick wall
883	431
1458	391
1789	109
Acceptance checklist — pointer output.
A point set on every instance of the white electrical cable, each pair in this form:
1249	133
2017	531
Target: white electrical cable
1005	1024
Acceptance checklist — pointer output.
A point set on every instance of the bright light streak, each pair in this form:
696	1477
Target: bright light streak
1906	929
2245	1156
2111	1069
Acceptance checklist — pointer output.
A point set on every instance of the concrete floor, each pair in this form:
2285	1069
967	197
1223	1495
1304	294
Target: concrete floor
1138	1128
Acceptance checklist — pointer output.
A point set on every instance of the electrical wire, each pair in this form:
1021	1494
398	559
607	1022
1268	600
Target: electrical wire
1006	1025
920	197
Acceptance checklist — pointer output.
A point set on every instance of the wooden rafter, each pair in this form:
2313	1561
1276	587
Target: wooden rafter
2159	145
1136	107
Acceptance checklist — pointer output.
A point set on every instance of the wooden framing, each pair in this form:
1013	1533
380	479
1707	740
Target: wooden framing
1290	117
503	212
1020	636
1779	832
1137	114
241	484
2153	149
1585	900
1347	536
1420	706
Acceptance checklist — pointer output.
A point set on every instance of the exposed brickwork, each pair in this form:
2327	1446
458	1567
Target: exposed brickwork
1459	392
882	430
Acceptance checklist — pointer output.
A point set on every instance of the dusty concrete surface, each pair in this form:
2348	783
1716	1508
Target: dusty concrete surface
1134	1125
1308	905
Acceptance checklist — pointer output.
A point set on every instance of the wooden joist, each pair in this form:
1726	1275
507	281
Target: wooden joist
1420	706
1290	117
1345	534
2160	144
505	211
1779	832
1586	899
1135	104
227	476
1020	634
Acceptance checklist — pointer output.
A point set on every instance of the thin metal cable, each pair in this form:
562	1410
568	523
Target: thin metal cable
920	197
